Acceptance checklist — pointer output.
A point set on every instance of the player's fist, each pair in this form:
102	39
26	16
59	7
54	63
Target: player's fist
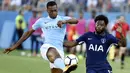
8	50
119	29
60	23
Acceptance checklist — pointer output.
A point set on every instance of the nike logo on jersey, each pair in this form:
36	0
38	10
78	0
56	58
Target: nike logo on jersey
89	38
96	48
45	22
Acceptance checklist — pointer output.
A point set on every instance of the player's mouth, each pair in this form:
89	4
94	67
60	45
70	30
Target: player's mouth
98	29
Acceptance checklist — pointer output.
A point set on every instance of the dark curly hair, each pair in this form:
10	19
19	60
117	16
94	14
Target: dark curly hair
101	17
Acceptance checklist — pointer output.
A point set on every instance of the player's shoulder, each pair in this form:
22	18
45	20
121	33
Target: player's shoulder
88	33
63	17
110	36
17	17
42	19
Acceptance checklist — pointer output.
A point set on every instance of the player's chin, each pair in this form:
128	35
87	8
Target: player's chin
99	31
53	17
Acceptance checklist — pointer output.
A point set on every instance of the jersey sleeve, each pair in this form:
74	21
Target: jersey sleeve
66	18
114	40
81	38
37	24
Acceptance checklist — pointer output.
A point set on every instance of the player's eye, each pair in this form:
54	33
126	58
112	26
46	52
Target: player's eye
101	23
53	10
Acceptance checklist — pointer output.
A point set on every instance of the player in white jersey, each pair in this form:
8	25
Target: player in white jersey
54	29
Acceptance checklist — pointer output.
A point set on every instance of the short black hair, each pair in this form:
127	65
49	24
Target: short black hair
101	17
51	3
93	11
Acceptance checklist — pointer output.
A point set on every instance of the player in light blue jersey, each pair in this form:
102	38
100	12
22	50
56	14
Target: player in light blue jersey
54	29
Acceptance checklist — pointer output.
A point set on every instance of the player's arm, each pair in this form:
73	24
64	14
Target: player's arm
69	21
70	43
119	29
122	40
25	36
22	39
79	41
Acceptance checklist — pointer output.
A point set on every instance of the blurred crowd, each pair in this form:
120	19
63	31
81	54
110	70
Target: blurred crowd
66	5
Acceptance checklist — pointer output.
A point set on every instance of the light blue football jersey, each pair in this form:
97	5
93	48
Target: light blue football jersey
52	33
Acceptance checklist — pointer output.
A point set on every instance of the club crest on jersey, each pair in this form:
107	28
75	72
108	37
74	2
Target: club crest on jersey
103	40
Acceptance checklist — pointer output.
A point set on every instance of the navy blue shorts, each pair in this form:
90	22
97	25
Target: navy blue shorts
98	71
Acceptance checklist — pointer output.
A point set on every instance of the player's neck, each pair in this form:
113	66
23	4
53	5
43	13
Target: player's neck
52	17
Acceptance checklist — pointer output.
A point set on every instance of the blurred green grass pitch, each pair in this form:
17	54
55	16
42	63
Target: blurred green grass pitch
15	63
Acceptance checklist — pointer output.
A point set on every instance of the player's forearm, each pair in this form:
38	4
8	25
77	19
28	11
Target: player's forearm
122	39
22	39
70	43
122	36
72	21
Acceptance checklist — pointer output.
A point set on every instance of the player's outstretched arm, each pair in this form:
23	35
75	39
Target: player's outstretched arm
23	38
70	43
123	39
70	21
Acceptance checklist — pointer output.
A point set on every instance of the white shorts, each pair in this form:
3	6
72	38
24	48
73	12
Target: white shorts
43	50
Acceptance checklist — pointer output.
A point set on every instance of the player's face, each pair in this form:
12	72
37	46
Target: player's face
52	11
122	19
100	26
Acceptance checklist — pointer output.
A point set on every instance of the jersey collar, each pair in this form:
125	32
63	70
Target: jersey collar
103	34
51	18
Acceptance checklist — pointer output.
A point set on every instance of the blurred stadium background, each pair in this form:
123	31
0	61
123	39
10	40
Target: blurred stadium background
9	10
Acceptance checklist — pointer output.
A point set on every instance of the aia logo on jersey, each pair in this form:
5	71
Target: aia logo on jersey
96	47
103	40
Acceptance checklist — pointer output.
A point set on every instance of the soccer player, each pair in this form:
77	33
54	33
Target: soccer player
54	29
97	46
124	27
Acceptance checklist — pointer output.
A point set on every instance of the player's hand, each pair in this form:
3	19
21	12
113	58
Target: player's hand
60	23
7	51
119	29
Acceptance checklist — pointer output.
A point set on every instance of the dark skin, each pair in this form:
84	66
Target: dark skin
100	29
52	53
